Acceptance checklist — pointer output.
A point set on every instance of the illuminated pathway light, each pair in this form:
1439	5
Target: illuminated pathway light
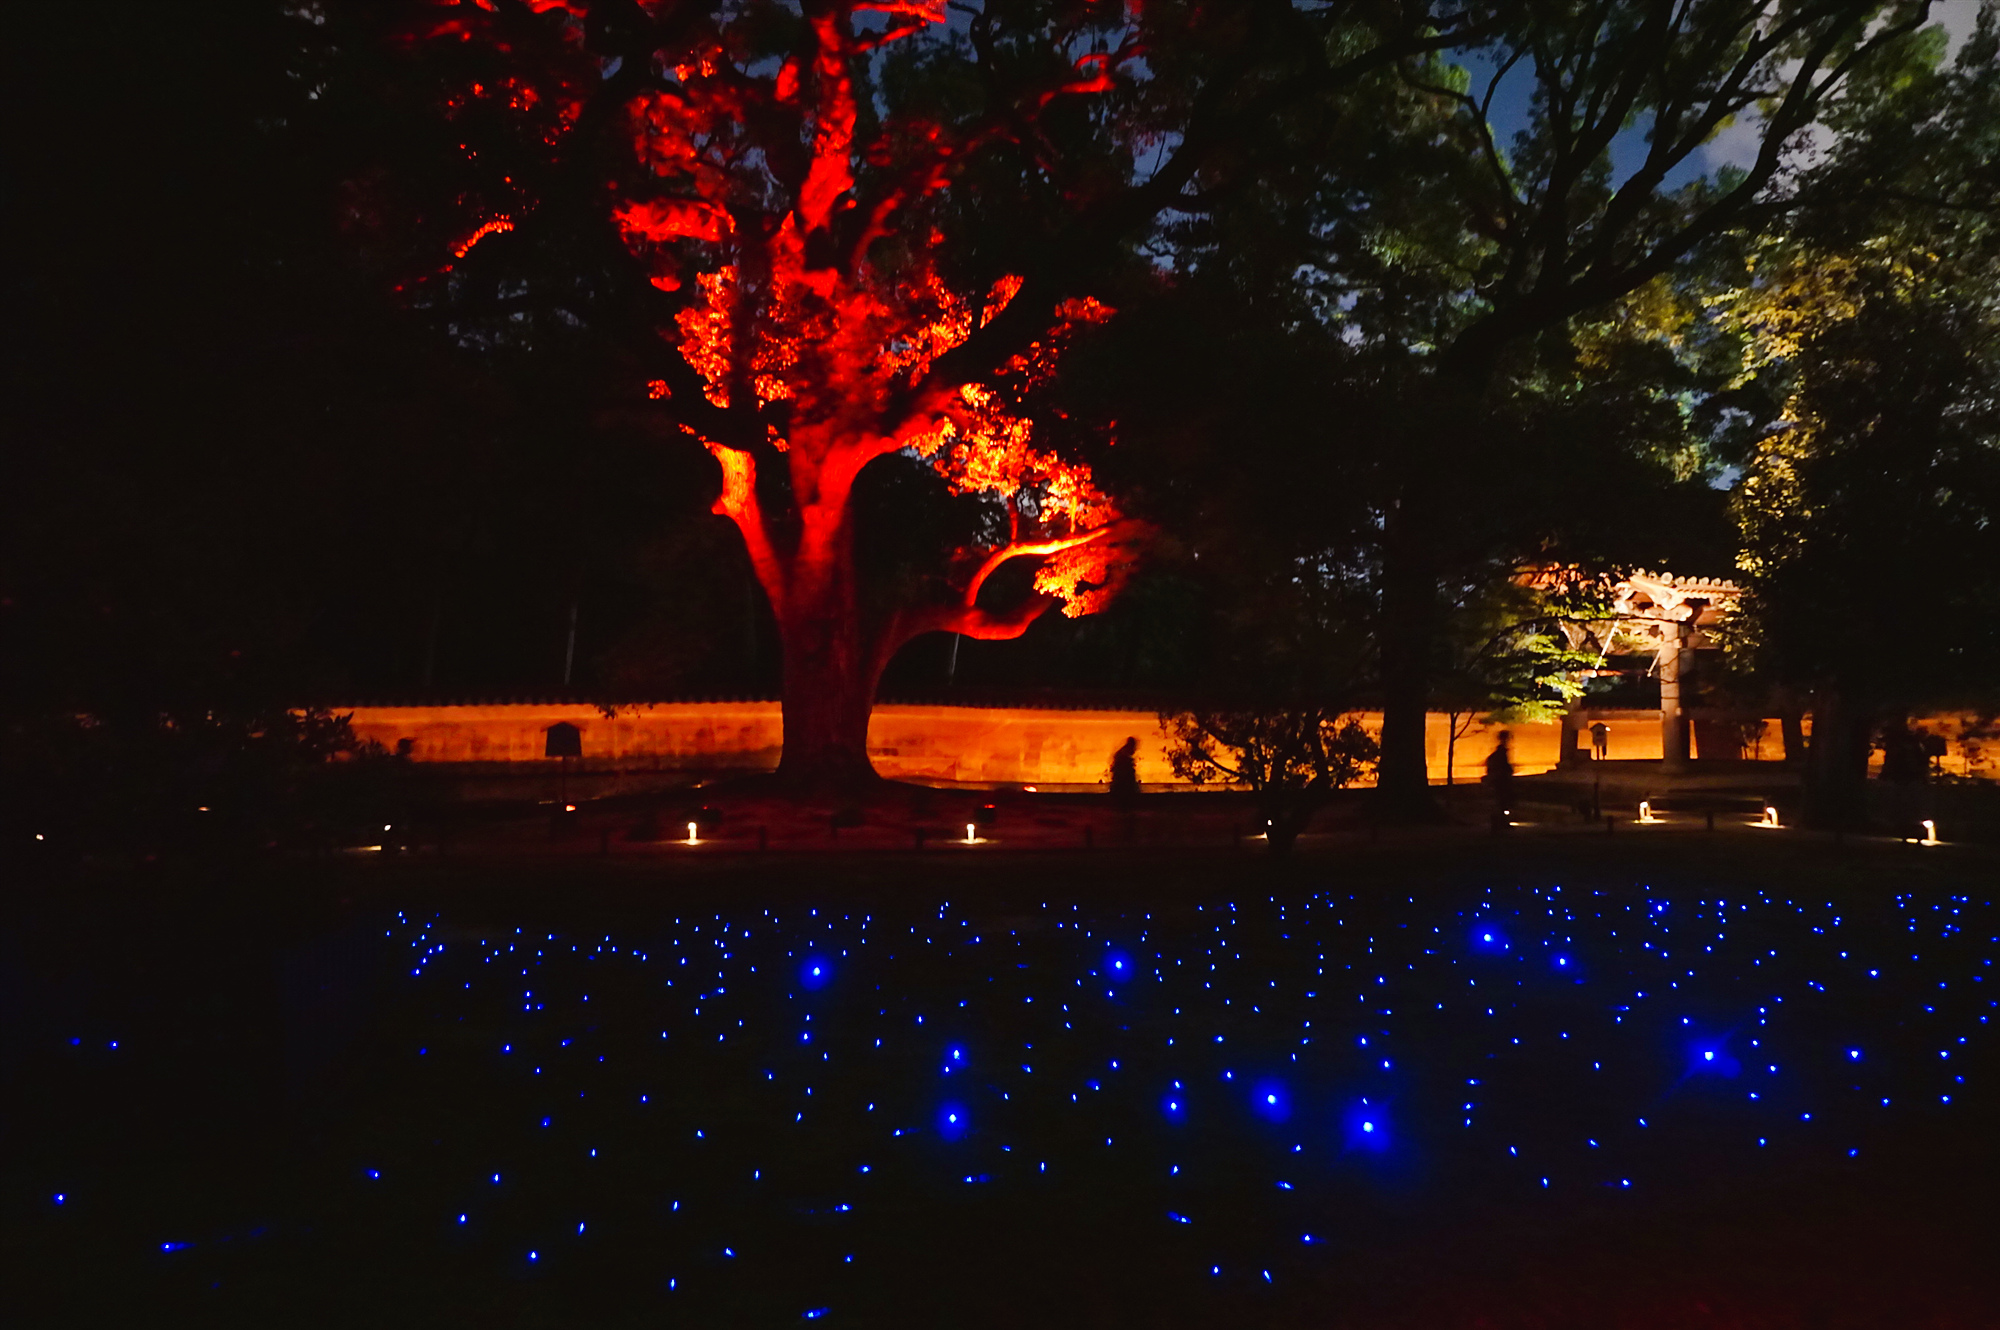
745	1094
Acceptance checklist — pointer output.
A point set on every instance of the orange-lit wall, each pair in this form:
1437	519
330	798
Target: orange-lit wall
972	745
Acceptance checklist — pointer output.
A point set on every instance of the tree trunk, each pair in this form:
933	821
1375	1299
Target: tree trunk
829	692
1836	775
1409	615
833	658
830	668
1791	724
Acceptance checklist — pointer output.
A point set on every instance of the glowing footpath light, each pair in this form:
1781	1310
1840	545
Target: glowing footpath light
1930	833
806	949
1770	818
1646	811
691	834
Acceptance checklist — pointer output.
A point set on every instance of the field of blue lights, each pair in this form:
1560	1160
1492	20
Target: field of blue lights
761	1115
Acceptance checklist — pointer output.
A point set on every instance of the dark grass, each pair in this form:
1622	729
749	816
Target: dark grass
267	1061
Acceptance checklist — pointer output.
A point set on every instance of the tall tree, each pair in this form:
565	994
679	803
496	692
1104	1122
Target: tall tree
1870	505
790	215
1565	235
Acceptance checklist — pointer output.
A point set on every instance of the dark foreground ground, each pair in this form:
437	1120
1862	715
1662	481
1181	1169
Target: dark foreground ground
1684	1080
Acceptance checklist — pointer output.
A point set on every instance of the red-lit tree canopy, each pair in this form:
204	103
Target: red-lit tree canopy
806	322
789	219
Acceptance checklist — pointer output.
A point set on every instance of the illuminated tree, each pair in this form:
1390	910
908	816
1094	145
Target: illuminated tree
1508	654
803	320
806	313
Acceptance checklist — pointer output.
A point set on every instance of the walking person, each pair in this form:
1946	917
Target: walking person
1125	772
1600	741
1125	783
1500	779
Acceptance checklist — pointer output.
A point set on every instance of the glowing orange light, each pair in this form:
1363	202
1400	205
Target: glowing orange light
493	227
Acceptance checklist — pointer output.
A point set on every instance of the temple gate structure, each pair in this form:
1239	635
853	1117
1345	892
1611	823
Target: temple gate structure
1672	620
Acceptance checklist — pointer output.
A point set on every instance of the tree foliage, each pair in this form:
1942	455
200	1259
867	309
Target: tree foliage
1511	654
1292	758
1869	507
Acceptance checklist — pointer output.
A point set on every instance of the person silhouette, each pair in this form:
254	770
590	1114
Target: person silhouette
1500	774
1600	741
1125	771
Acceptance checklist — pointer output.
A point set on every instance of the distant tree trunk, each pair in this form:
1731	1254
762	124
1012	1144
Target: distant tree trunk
1836	772
431	636
1408	636
750	655
569	647
1791	724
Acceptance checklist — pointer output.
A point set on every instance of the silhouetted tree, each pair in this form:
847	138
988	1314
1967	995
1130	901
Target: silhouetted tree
1292	758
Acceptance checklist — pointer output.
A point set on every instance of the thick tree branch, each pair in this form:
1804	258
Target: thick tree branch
1561	289
1026	549
739	503
1226	115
